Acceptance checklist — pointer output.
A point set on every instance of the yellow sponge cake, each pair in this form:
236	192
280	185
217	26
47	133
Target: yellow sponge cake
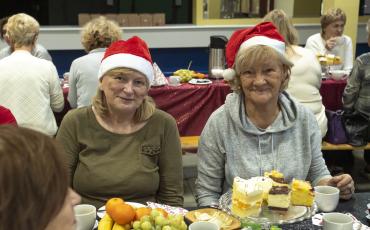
248	195
302	193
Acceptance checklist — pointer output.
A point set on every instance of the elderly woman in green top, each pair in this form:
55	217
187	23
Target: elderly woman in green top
122	146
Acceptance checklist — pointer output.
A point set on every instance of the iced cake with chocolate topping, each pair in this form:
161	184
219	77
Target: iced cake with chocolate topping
279	198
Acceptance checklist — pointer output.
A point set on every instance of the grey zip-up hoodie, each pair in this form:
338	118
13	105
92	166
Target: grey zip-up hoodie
230	146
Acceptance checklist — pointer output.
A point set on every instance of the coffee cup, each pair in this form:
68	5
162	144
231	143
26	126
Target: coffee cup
202	225
337	221
339	40
85	215
174	80
326	197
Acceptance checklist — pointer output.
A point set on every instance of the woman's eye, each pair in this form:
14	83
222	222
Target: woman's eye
139	82
119	78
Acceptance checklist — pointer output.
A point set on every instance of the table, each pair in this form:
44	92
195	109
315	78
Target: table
191	105
356	206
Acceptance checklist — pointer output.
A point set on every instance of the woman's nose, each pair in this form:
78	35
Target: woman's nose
260	78
128	87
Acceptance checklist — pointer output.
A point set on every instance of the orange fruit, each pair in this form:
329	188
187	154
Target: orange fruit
123	213
142	211
111	203
164	213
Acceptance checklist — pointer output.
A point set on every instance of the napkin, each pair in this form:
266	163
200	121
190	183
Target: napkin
357	225
159	78
169	209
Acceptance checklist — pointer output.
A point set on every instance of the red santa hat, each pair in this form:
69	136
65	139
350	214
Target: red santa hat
264	33
133	54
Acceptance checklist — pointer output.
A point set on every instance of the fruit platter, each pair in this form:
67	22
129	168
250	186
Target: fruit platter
121	215
186	75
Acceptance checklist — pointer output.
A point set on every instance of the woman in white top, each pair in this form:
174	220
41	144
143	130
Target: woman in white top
305	78
331	39
96	36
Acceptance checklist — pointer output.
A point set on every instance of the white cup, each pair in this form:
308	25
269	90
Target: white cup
326	198
85	215
339	40
203	225
337	221
174	80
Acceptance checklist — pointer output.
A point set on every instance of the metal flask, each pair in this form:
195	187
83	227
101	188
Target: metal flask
217	61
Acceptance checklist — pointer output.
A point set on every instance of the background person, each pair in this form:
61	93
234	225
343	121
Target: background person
96	36
331	39
29	86
122	146
305	77
356	100
34	192
260	127
37	51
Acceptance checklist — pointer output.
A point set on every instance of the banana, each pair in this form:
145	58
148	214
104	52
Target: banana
118	227
106	223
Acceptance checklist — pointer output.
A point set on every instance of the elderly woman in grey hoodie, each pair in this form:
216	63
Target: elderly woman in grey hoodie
260	127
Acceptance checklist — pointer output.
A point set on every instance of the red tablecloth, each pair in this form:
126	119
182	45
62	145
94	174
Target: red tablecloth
331	92
191	105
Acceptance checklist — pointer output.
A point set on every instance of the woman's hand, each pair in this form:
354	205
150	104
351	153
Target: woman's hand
330	43
345	184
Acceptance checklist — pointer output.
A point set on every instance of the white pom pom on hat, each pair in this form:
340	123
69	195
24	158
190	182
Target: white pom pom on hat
264	33
133	53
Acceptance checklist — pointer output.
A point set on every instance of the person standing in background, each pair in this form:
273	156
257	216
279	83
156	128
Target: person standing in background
37	51
29	86
331	39
356	102
305	77
96	36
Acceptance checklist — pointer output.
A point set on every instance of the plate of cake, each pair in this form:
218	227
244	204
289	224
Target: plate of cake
269	199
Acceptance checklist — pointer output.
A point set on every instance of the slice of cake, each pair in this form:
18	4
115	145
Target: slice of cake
279	198
247	196
302	193
277	178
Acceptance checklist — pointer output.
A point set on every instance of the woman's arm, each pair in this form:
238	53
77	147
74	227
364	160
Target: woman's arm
72	82
67	137
170	167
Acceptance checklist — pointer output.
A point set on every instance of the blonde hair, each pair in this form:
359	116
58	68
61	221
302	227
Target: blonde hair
22	30
145	110
332	15
284	25
256	55
100	33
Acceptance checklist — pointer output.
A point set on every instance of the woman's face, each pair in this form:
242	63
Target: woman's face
65	219
261	83
124	92
334	29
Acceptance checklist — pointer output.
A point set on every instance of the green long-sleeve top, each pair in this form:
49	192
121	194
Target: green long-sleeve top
142	166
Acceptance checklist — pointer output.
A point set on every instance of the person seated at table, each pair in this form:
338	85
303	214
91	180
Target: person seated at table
6	117
331	39
29	86
122	146
37	51
260	127
305	77
96	36
35	191
356	103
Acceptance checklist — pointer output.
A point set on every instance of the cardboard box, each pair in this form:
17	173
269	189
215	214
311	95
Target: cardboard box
83	19
122	19
92	16
145	19
112	17
133	20
159	19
